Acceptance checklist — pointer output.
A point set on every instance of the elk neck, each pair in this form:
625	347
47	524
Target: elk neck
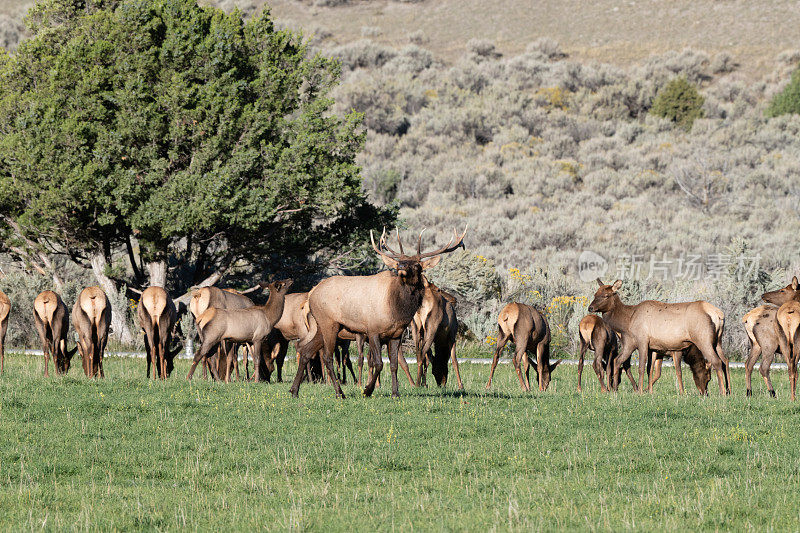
407	298
273	309
618	317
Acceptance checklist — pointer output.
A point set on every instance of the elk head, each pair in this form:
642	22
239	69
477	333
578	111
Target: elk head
604	297
786	294
409	267
547	373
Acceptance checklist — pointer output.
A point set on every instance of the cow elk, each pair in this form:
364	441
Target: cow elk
762	331
433	331
663	327
788	327
381	306
91	317
214	297
5	309
51	318
594	334
157	318
251	325
527	328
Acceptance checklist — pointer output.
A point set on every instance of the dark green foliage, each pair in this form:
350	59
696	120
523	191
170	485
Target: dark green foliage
788	100
679	102
206	138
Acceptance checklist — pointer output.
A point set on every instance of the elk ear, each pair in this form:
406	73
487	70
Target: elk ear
389	262
284	284
617	284
795	283
599	282
430	263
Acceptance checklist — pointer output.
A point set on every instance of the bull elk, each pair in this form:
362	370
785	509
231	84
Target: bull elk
433	331
91	317
251	325
787	319
594	334
157	318
663	327
214	297
527	328
51	318
5	309
381	306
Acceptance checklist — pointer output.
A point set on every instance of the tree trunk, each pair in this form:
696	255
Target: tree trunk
158	273
119	323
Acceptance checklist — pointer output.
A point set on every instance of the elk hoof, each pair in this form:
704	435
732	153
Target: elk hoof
293	392
749	393
772	393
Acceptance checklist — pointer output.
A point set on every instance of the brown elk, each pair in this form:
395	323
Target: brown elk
251	325
51	318
787	319
697	364
594	334
762	331
214	297
5	309
91	317
527	328
663	327
433	331
157	318
381	306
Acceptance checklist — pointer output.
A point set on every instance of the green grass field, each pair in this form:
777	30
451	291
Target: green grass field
129	454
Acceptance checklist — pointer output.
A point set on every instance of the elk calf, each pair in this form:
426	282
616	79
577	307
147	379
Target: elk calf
527	328
594	334
5	309
91	317
433	331
762	332
52	323
157	317
251	325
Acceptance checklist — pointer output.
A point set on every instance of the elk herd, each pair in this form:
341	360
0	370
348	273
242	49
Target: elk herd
377	310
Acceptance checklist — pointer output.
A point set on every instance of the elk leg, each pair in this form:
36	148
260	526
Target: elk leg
655	373
749	365
502	340
520	356
349	365
726	362
644	354
629	373
624	357
202	355
581	355
454	360
376	364
710	355
677	358
393	348
404	365
597	365
766	362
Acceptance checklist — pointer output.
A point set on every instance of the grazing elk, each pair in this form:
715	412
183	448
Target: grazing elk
697	364
527	328
51	318
381	306
157	318
594	334
433	331
663	327
91	317
251	325
214	297
788	327
5	309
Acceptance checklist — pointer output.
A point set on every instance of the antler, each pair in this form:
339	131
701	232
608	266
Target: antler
385	244
449	247
391	255
419	242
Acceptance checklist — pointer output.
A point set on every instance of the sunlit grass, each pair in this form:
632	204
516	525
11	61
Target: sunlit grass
127	453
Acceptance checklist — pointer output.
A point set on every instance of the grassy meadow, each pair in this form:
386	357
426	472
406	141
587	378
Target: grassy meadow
130	454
